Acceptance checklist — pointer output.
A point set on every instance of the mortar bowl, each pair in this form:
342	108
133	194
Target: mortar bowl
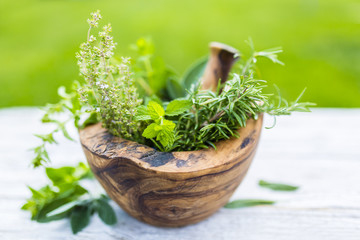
170	189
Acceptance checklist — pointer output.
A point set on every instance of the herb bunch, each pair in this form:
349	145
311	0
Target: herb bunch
109	82
66	198
218	115
143	100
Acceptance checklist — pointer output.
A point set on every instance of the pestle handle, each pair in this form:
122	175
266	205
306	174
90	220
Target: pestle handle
221	59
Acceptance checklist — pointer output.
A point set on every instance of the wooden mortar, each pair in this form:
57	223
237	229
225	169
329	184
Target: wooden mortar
171	189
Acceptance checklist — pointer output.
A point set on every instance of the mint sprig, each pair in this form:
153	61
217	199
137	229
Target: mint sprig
65	197
161	129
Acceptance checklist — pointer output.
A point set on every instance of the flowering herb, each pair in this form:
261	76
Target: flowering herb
144	100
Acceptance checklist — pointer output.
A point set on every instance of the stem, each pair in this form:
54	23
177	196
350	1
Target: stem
88	35
248	63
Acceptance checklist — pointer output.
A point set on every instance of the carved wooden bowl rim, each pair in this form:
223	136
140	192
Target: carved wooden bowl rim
98	141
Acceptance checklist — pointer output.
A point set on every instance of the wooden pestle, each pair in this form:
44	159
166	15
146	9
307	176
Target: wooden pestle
221	59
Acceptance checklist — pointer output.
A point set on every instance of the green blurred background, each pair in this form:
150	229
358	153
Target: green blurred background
321	41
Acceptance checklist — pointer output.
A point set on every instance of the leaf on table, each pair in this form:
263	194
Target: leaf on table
106	212
80	218
277	186
248	203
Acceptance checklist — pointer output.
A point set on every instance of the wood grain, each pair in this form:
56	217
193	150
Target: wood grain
222	58
169	189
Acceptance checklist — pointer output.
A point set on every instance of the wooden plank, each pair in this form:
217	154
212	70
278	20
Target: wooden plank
320	152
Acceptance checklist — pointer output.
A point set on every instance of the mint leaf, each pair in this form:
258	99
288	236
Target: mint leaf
142	113
155	110
166	135
80	218
178	106
277	186
248	203
152	130
166	138
60	175
168	126
106	212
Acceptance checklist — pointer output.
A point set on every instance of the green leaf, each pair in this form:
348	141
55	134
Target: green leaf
175	89
154	98
60	175
80	218
66	208
248	203
152	130
177	107
92	119
155	110
63	94
46	137
68	174
277	186
142	113
166	138
65	132
106	212
166	135
168	126
194	73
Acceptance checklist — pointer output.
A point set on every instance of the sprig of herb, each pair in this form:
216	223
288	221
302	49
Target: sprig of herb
65	197
161	129
248	203
277	186
109	82
217	116
69	106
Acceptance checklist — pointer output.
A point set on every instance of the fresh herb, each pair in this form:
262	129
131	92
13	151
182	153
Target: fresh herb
69	106
277	186
160	128
144	100
248	203
153	76
109	82
65	197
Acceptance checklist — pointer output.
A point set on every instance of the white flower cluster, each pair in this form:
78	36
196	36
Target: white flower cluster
112	85
94	20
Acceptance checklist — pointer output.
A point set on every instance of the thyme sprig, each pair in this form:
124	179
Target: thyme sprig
109	82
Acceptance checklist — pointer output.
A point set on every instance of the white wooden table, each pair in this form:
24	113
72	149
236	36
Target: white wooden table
318	151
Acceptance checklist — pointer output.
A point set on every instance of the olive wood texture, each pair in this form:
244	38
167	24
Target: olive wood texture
173	188
222	57
169	188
